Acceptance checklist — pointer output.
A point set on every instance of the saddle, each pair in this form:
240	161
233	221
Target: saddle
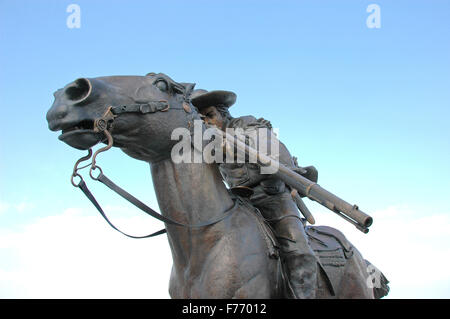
332	249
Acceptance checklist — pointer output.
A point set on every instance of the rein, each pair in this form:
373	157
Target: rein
101	125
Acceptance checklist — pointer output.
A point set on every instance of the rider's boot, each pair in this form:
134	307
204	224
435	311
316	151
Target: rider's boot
299	261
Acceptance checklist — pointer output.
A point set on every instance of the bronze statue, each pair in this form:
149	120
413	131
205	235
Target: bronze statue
222	247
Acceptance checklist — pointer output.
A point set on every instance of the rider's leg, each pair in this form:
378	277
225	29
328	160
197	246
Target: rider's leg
297	256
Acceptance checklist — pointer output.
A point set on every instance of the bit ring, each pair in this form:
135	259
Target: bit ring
93	168
72	181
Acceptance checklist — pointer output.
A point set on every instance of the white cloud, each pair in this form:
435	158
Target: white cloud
77	255
410	247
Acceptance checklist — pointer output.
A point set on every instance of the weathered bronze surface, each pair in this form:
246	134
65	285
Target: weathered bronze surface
236	257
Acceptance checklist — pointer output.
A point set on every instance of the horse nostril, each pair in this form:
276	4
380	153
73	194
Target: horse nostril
79	90
57	112
61	115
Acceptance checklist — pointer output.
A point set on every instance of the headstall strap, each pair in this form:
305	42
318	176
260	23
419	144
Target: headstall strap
102	125
144	108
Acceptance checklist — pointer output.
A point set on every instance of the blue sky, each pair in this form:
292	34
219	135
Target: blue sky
368	107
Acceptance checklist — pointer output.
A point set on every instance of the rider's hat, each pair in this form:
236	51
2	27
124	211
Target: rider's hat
202	98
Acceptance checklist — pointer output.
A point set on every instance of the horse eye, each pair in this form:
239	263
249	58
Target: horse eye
162	85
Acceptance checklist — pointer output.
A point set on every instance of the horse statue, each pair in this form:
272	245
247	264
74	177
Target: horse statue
221	247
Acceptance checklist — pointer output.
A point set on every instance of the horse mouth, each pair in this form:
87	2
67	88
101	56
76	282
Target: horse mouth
81	135
85	125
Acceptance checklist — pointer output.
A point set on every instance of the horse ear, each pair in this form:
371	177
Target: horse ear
188	88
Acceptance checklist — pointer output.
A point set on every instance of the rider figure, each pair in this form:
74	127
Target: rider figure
266	192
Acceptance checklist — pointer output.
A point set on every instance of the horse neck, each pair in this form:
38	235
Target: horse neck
190	193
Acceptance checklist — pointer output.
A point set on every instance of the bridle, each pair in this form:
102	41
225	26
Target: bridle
102	125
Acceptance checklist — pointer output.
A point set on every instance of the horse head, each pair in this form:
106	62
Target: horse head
140	112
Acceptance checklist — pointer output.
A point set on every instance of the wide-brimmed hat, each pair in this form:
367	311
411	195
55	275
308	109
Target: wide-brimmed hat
202	98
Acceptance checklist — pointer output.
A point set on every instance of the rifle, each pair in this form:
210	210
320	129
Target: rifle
304	186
